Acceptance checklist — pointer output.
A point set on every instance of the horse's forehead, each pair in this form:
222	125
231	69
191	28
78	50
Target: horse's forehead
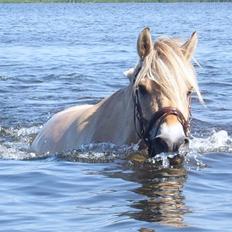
164	96
151	85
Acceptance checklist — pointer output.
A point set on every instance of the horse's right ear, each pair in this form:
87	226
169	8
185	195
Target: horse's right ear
189	46
144	43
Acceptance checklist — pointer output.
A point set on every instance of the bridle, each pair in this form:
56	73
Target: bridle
145	127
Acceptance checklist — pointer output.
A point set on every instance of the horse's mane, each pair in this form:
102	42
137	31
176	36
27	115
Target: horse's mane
169	69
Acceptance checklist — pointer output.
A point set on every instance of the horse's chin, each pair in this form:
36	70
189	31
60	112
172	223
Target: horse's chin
175	158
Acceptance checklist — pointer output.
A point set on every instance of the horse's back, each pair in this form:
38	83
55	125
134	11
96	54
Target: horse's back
60	132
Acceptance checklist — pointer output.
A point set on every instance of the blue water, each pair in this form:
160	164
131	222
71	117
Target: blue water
53	56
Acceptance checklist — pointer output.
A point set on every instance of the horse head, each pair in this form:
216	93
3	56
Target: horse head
162	83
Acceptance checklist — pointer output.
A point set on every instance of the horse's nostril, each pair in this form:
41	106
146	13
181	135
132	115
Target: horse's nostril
181	142
160	141
186	141
161	144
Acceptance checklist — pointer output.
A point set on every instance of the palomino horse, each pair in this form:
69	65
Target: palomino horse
154	109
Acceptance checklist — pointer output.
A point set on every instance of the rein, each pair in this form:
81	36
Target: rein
145	126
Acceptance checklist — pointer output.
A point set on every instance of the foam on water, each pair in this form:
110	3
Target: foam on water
218	141
15	144
99	152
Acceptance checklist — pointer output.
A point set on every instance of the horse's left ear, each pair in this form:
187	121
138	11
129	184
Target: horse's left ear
144	43
189	46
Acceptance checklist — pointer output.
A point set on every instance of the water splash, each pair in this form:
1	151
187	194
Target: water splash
217	142
15	144
161	159
99	152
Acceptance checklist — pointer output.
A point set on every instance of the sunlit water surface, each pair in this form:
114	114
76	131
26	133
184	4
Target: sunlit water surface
53	56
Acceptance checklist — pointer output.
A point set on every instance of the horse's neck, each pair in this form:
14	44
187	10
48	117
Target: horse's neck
116	117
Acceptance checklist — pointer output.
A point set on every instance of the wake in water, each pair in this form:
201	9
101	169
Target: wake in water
217	142
15	144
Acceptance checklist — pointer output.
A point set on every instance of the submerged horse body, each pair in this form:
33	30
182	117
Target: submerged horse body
152	109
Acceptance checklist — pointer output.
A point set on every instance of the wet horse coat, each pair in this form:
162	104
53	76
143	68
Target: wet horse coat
85	124
164	76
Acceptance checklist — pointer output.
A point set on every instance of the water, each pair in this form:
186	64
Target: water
53	56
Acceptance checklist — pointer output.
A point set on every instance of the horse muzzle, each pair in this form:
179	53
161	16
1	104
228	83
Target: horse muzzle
161	144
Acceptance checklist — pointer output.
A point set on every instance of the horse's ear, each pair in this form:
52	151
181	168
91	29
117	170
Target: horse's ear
189	46
144	43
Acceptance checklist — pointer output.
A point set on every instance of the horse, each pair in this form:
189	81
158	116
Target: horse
152	111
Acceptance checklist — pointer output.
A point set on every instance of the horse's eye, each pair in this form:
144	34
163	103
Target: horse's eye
189	93
142	89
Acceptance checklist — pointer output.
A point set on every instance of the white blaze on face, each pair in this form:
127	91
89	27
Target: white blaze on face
172	132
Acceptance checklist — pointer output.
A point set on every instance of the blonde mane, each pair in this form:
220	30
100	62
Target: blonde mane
168	68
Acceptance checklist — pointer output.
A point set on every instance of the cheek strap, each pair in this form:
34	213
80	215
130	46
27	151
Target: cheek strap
145	126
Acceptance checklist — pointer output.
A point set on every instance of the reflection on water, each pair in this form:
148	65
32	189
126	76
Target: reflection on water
161	191
164	200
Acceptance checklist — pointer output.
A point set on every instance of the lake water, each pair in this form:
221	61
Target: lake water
53	56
